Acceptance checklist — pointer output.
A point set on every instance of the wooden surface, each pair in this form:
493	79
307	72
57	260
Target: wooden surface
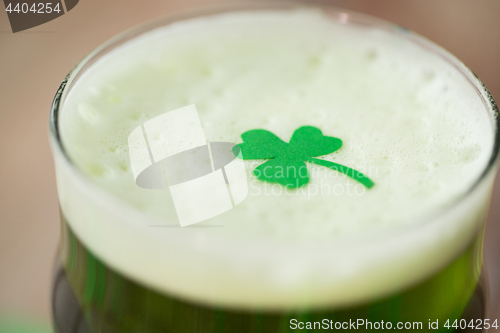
34	62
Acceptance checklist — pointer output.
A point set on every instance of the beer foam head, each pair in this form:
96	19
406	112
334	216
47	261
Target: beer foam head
408	119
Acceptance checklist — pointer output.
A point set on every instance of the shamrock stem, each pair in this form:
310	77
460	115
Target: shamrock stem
356	175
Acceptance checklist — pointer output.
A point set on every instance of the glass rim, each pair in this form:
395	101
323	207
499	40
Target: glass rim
342	15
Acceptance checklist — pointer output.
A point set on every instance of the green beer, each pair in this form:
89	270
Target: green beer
384	230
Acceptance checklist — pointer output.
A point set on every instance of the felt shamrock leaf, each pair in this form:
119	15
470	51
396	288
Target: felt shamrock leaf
286	165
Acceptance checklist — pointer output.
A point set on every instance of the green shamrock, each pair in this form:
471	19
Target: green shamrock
286	164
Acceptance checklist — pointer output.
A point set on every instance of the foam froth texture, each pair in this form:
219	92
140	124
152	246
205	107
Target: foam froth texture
408	120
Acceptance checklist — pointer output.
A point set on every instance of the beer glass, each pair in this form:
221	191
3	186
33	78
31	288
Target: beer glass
93	294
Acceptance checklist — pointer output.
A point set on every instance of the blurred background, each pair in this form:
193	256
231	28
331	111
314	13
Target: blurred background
34	62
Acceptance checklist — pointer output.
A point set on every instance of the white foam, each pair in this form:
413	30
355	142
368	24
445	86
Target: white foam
408	119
